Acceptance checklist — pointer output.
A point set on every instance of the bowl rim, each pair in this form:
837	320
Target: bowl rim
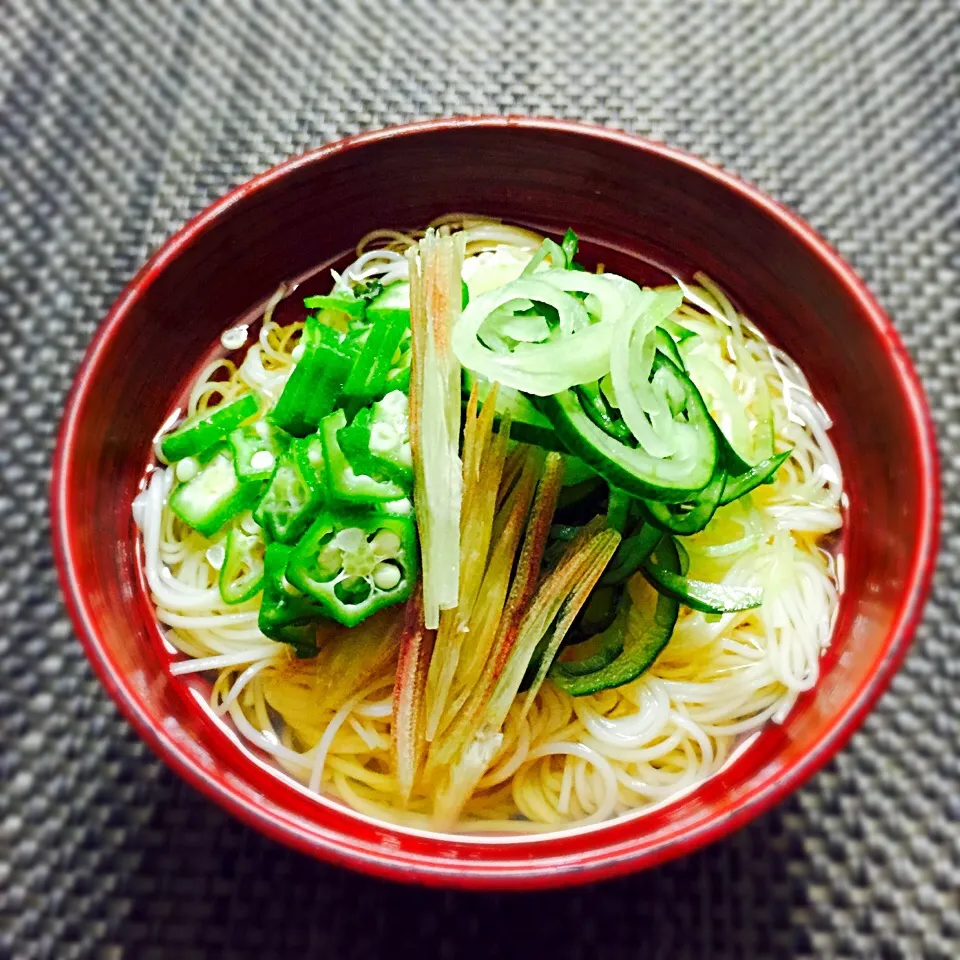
437	869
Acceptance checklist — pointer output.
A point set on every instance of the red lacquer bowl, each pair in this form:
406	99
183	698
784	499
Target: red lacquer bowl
628	196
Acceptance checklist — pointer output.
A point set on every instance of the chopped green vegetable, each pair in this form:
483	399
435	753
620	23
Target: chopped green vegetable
286	614
353	563
344	484
199	434
606	646
377	443
339	303
600	412
241	575
698	594
632	553
600	610
671	480
575	470
729	459
666	345
395	296
368	290
373	363
678	332
646	632
763	472
213	496
296	491
316	383
256	448
618	510
698	514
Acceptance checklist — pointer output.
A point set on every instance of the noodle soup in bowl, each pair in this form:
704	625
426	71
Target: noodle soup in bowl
528	634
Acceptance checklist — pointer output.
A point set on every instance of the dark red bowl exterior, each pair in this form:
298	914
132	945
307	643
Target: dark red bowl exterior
627	193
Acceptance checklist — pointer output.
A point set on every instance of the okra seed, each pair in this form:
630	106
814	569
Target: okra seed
395	402
350	539
330	560
386	576
262	460
385	543
296	355
383	438
215	555
187	469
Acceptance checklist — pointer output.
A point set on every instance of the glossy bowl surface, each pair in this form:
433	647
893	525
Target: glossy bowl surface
632	197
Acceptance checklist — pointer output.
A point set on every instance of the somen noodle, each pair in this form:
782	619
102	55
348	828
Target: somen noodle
558	760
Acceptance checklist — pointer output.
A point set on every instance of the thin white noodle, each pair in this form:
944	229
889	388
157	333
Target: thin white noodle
265	743
717	682
241	682
320	752
199	665
605	806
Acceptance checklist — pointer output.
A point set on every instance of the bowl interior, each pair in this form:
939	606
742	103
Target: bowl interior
640	204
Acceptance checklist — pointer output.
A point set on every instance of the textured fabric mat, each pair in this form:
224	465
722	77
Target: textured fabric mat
119	119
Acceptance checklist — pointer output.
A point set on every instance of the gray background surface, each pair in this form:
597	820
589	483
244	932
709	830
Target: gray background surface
118	120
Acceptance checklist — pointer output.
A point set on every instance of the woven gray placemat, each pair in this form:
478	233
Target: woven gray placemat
120	119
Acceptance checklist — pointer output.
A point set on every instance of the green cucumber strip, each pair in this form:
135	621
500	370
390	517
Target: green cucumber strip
598	410
631	554
732	462
632	469
697	517
606	643
618	510
575	470
570	244
609	646
763	472
676	330
579	491
700	595
641	646
666	345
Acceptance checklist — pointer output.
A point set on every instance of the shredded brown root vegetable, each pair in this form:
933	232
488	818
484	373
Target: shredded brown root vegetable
416	648
435	296
555	603
484	453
